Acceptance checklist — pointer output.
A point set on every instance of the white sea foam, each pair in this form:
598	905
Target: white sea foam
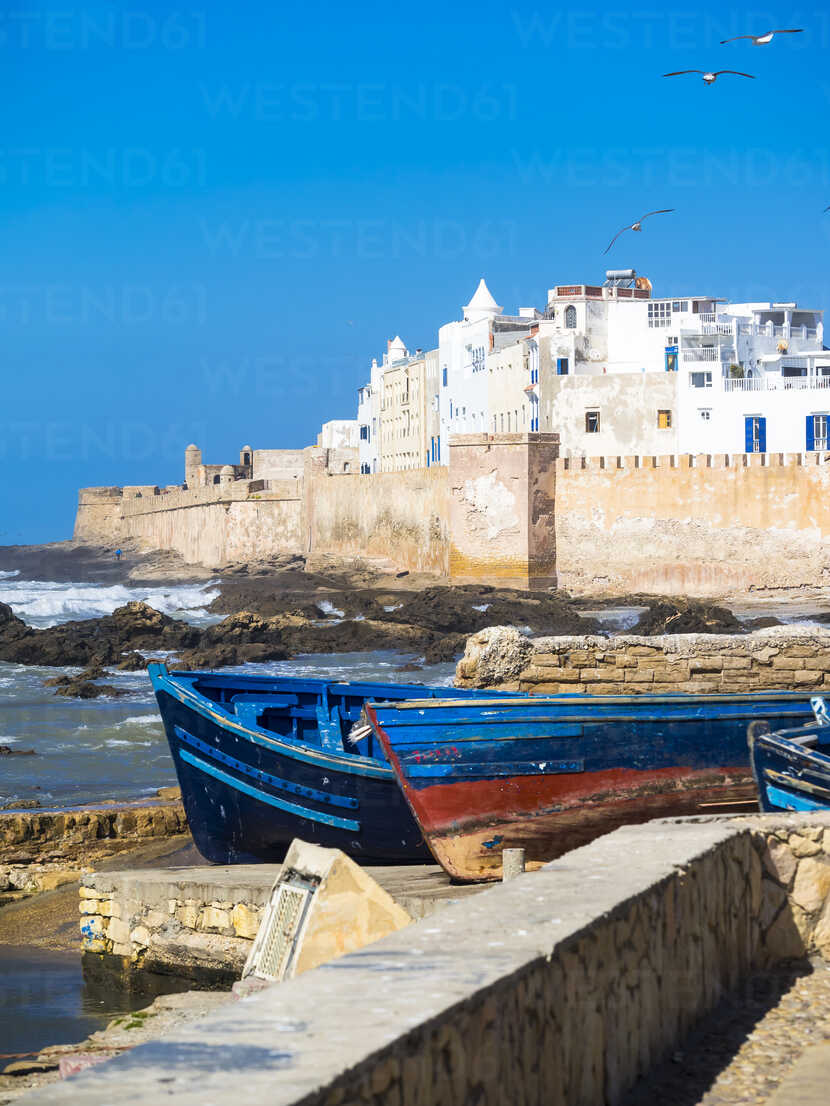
46	603
325	606
4	575
481	606
5	740
139	720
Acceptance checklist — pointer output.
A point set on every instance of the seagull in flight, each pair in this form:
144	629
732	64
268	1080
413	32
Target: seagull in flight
638	225
709	78
767	36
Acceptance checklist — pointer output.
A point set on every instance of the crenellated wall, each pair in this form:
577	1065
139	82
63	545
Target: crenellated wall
507	510
692	525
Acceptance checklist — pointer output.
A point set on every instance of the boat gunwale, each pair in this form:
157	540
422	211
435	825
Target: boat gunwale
537	700
188	696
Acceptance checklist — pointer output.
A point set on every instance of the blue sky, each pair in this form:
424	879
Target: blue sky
213	218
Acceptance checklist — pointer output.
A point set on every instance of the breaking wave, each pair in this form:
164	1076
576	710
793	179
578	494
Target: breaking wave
45	603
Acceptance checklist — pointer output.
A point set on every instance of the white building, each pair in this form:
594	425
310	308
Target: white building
613	370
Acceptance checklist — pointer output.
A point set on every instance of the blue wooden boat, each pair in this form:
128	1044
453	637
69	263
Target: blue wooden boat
792	766
550	773
262	760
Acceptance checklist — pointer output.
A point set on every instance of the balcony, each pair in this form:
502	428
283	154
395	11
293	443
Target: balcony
775	383
708	354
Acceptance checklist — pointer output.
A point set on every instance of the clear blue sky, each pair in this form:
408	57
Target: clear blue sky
212	220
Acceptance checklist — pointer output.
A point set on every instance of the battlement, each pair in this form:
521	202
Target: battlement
690	461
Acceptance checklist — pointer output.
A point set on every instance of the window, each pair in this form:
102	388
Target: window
246	458
659	315
700	380
755	434
570	317
477	358
444	376
816	432
671	359
508	422
364	433
704	413
561	366
664	420
592	422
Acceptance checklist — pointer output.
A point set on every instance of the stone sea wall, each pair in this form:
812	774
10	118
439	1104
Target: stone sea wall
507	509
781	657
562	987
200	930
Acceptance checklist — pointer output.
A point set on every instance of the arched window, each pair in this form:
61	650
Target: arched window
570	317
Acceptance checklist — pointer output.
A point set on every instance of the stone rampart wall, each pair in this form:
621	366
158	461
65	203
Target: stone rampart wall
692	525
562	987
782	657
402	516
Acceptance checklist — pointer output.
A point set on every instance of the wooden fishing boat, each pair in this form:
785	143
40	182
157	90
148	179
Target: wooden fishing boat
792	766
262	760
550	773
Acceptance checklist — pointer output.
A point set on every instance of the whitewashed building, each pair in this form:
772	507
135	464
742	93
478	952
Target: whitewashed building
612	369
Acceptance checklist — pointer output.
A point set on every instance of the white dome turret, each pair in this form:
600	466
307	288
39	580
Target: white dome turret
482	305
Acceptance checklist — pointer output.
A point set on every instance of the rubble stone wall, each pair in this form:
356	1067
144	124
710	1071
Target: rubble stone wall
780	658
564	986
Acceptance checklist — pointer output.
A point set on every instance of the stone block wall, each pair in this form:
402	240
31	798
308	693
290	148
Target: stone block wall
201	930
560	988
780	658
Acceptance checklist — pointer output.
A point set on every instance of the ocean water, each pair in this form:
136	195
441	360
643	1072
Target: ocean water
47	603
88	751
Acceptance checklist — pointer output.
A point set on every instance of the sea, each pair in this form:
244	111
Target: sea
89	751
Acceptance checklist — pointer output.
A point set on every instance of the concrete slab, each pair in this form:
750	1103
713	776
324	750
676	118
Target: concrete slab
807	1084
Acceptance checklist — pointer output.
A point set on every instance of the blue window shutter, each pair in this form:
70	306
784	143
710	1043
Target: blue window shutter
811	433
748	435
762	435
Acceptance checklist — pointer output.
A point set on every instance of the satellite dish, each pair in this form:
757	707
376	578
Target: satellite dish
594	355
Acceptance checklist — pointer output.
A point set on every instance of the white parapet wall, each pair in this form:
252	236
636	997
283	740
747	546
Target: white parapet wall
562	987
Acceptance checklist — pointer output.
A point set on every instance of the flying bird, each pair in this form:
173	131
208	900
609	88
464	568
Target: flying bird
767	36
709	78
638	225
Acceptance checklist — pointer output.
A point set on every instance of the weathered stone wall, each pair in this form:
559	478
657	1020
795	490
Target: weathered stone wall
198	929
782	657
560	988
400	516
692	525
508	511
98	518
502	501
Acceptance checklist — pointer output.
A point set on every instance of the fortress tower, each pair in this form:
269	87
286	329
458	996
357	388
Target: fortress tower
192	464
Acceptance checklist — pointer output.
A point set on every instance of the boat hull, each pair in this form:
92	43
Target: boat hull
247	795
792	769
549	775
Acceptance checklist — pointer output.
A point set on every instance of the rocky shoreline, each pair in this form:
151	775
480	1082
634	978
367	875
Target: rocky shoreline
277	609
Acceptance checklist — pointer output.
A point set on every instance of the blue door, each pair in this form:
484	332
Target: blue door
755	434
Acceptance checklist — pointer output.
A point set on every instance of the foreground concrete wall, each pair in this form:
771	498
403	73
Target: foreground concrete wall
560	988
782	657
690	525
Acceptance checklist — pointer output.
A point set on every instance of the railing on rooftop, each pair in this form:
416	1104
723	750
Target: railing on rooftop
777	383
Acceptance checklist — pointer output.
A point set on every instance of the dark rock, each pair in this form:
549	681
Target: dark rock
687	617
8	751
133	662
86	689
